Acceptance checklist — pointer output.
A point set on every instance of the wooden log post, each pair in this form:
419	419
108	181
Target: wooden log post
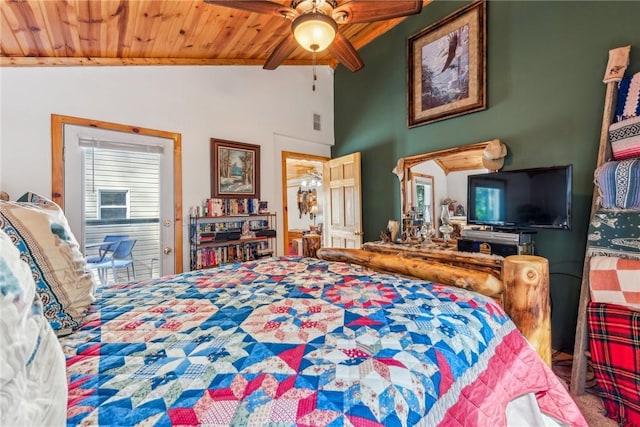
477	281
310	244
526	279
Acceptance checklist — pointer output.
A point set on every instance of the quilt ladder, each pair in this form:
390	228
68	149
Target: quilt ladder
616	67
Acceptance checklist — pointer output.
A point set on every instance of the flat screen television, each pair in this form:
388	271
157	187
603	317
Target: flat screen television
537	198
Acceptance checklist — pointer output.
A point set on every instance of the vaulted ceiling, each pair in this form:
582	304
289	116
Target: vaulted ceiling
152	32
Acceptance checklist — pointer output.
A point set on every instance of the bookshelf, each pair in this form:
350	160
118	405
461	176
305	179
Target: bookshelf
217	240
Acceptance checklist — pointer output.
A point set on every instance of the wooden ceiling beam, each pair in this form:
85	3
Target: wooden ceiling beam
38	61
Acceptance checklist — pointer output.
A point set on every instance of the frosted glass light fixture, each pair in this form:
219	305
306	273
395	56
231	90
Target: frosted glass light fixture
314	31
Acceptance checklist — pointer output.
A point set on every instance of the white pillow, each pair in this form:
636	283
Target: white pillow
33	382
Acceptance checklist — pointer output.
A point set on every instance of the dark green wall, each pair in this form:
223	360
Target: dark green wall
545	63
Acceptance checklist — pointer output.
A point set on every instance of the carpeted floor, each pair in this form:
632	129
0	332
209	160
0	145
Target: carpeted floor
589	403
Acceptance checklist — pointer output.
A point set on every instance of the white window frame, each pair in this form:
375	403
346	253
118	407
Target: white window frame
127	206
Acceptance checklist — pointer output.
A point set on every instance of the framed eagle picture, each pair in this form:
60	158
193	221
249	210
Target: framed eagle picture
446	67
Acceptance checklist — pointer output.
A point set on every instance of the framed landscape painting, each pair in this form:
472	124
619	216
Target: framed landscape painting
235	169
446	69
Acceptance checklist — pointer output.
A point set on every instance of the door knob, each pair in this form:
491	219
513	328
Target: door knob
358	233
167	250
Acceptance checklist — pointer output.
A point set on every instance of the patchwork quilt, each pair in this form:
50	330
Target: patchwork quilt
300	341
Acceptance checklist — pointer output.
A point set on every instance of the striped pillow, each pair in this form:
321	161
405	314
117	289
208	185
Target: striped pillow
615	280
619	184
624	137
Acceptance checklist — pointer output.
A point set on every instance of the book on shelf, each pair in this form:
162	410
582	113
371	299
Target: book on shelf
213	207
208	257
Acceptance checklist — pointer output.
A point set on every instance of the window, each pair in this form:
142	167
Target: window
423	195
113	204
422	201
490	204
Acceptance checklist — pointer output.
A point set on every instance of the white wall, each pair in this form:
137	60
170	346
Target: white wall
238	103
457	185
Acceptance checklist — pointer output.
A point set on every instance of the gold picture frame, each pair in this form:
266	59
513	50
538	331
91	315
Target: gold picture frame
447	67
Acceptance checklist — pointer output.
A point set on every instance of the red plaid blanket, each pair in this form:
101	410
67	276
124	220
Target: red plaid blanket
614	338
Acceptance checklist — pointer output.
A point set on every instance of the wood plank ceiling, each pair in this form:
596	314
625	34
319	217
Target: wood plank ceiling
151	32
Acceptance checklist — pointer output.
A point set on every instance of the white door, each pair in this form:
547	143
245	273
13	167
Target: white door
121	183
343	202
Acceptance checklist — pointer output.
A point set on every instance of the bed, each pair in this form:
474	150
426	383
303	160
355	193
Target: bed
286	341
301	341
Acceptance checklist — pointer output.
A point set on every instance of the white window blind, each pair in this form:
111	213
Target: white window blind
140	147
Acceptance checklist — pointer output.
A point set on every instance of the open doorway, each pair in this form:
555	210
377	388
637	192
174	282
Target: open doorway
302	199
117	180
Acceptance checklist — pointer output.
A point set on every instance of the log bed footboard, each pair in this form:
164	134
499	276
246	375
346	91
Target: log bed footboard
523	288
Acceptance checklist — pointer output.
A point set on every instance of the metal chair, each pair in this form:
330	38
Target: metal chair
115	253
106	247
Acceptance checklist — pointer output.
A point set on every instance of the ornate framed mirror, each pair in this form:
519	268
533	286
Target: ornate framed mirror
444	181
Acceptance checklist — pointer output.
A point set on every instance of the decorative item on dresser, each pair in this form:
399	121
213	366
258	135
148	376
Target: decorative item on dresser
394	227
445	216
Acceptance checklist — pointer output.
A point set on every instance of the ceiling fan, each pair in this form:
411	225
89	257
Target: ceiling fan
315	23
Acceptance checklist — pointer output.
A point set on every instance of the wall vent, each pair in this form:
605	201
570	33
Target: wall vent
316	121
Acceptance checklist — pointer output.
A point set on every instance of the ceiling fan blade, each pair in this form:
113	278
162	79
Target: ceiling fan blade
258	6
281	52
344	52
356	11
